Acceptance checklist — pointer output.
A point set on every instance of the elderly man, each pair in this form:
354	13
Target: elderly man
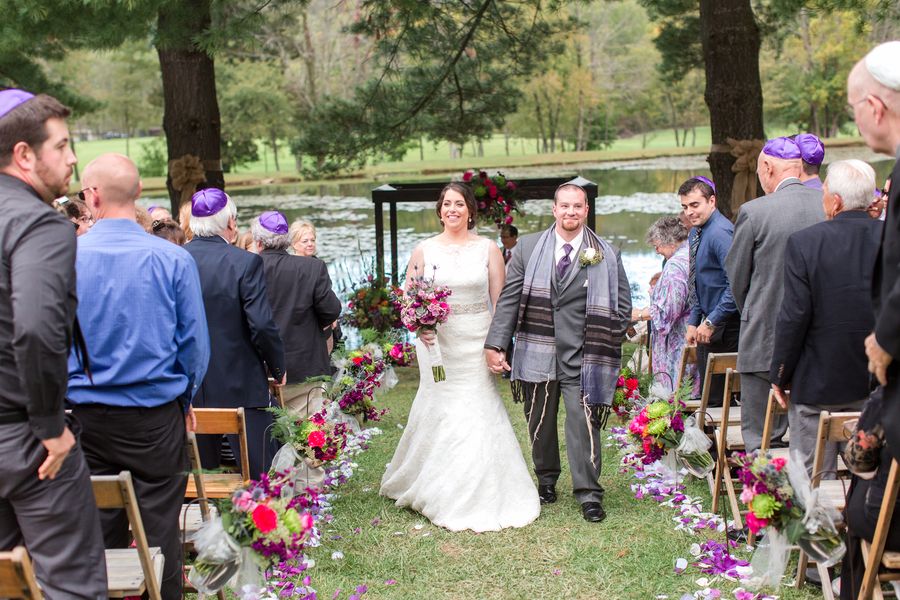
46	502
873	91
713	324
755	264
134	404
303	305
246	346
826	312
812	153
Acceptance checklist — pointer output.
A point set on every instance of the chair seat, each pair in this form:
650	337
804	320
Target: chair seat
692	405
124	574
891	560
832	493
734	439
192	517
218	485
714	415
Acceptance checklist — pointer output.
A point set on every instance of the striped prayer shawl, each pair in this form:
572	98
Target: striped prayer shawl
535	356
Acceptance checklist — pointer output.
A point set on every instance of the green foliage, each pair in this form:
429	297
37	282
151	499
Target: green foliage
153	161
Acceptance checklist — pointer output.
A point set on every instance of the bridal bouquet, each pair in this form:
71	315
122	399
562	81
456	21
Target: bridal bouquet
781	499
660	427
313	438
424	307
259	527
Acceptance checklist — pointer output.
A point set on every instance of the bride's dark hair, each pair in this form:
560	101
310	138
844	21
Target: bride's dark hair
467	194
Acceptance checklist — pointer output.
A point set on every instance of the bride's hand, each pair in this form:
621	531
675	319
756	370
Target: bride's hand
427	336
496	360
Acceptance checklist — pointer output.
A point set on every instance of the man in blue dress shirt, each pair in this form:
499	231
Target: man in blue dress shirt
714	324
142	314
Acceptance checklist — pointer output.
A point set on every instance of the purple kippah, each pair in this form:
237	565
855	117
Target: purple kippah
782	147
812	150
274	221
152	207
706	181
206	203
11	98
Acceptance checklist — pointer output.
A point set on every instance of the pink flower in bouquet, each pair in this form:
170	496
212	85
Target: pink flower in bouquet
492	190
316	439
746	495
306	520
396	352
264	518
243	501
755	524
507	208
467	176
778	463
620	382
508	220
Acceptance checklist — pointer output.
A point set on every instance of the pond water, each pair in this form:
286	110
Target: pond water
632	195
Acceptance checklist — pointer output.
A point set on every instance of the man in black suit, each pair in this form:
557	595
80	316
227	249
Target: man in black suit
244	341
303	305
826	312
873	92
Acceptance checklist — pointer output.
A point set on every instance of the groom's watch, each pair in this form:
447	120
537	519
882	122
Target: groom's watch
709	323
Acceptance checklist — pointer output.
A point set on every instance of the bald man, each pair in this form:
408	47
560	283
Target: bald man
145	327
755	267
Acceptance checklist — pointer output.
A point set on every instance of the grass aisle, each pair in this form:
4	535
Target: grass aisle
630	555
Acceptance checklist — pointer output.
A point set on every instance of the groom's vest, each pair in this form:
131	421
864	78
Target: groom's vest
569	300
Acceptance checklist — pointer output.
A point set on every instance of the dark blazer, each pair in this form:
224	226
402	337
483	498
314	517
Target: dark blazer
245	346
826	312
886	299
303	303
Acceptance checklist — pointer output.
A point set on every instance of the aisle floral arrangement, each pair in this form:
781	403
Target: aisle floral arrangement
314	438
627	393
371	304
423	306
353	388
496	197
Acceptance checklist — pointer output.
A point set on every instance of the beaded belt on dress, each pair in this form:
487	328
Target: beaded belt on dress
465	309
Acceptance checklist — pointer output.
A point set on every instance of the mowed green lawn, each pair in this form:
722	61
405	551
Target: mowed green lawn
630	555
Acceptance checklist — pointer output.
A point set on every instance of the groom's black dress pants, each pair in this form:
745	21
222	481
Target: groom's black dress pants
541	408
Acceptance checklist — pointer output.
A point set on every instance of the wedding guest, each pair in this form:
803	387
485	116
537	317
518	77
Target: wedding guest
873	91
143	218
184	220
46	501
303	238
134	405
755	266
77	213
245	345
168	229
509	237
303	304
713	325
819	350
159	213
812	154
868	457
669	308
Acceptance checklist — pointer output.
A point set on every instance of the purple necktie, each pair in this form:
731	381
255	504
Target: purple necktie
562	267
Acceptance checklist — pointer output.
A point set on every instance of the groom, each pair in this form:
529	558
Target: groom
567	299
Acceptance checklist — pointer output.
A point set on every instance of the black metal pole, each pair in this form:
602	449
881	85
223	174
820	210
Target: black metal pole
395	258
379	240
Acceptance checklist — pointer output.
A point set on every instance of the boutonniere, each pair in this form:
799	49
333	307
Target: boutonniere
590	256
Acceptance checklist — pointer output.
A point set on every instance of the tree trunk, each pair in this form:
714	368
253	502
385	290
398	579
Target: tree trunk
191	110
273	141
506	140
540	121
421	149
731	40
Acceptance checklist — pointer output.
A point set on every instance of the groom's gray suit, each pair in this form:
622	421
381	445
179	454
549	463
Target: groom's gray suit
569	301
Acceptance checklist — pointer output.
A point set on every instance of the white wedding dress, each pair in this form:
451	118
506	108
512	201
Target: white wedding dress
459	462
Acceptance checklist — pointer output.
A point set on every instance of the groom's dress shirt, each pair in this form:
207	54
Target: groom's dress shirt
714	299
575	243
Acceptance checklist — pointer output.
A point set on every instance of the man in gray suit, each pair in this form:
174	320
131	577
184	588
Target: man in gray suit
568	301
755	266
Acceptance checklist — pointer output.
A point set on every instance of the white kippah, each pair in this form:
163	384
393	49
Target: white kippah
883	63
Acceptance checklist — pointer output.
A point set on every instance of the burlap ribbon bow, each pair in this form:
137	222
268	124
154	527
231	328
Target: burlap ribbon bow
187	173
745	153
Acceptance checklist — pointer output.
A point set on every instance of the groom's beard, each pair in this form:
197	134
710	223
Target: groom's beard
570	224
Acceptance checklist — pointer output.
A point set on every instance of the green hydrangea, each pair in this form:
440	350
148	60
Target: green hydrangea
765	506
305	429
658	409
291	520
657	428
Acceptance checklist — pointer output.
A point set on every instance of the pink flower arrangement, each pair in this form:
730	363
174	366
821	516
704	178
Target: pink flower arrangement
627	393
496	197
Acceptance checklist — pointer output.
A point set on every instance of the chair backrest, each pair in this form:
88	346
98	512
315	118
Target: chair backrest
17	578
717	363
117	491
688	357
772	409
226	421
831	429
883	525
732	385
196	473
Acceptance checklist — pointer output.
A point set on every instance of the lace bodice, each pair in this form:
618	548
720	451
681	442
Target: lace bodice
461	267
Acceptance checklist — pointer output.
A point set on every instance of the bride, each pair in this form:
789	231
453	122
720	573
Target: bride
459	462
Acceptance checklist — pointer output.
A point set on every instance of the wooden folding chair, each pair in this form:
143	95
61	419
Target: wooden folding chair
130	571
17	580
831	491
728	439
874	555
688	358
194	514
711	416
221	421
